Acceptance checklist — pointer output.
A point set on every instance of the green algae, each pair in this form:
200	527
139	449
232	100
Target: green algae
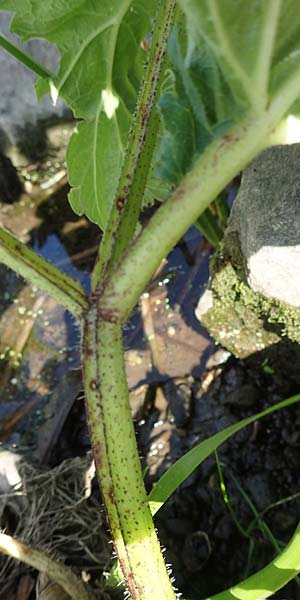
241	320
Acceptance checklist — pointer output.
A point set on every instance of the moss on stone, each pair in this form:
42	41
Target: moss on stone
244	322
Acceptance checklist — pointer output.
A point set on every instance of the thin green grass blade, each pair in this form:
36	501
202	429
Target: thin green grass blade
183	468
270	579
261	523
227	499
259	520
274	505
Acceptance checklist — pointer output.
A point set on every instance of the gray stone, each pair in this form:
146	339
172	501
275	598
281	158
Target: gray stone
19	108
266	218
253	295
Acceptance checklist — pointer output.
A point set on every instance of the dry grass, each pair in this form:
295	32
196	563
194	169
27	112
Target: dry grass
53	510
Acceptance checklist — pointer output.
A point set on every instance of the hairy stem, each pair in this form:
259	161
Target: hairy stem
214	169
117	462
217	166
68	292
39	560
142	140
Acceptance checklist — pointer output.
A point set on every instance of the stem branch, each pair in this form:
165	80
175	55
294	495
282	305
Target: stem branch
26	59
39	560
217	166
68	292
128	199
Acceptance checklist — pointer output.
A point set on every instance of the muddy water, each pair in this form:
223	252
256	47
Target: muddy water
40	341
40	357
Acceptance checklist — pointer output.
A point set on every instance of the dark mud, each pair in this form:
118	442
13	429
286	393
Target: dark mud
260	465
208	549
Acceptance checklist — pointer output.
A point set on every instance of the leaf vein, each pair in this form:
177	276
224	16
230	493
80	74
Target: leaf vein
82	49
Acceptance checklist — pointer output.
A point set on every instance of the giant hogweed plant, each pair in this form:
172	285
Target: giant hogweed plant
178	125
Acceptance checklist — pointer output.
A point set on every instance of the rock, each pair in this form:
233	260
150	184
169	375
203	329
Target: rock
266	218
219	357
253	297
10	184
19	107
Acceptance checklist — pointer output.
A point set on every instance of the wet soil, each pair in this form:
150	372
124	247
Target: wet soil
182	388
208	549
260	466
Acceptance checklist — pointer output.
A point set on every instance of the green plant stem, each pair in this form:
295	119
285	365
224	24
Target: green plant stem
217	166
55	570
222	160
269	579
68	292
270	507
26	59
117	462
126	207
271	14
259	520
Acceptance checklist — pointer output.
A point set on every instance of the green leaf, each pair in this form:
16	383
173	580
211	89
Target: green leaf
208	225
195	109
174	158
183	468
248	40
94	158
230	59
100	71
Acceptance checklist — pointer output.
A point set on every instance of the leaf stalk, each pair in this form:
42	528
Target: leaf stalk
215	168
126	207
26	59
68	292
